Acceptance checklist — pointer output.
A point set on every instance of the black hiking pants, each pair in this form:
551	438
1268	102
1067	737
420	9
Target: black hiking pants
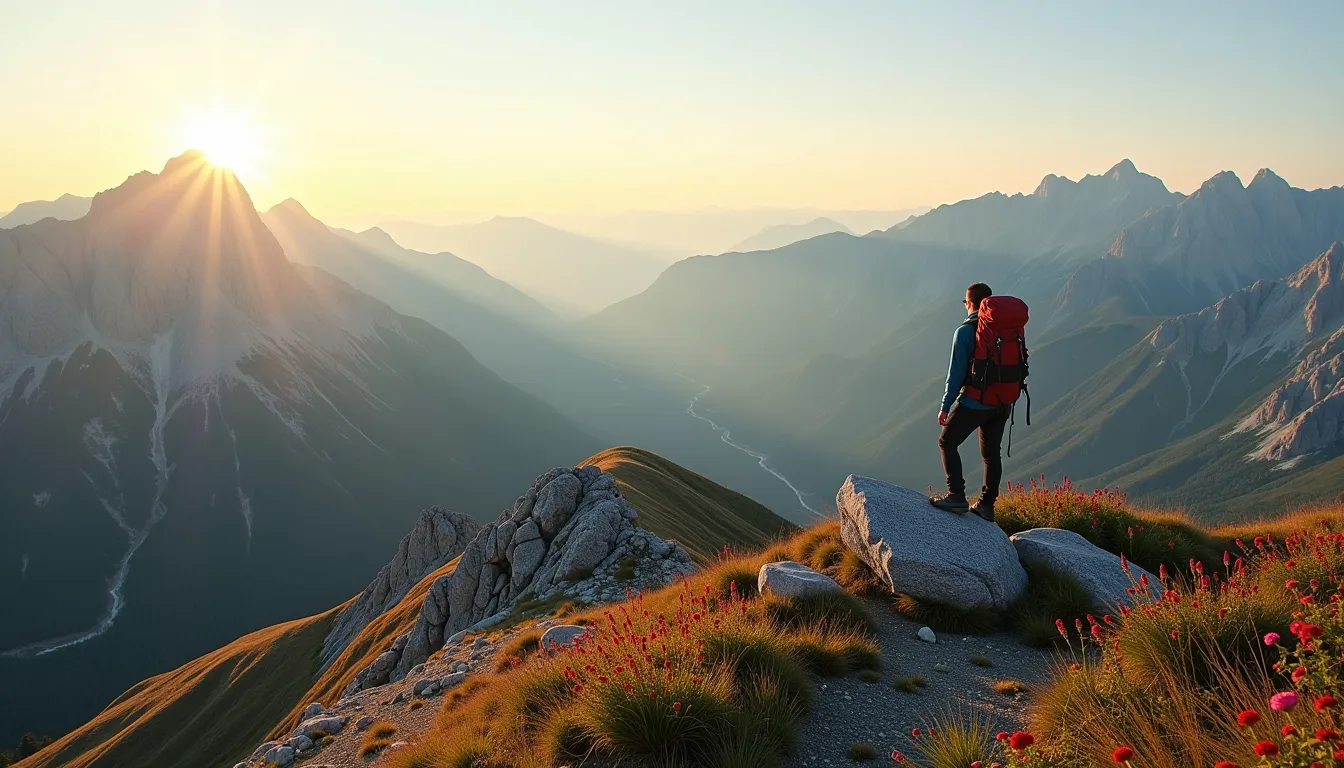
960	424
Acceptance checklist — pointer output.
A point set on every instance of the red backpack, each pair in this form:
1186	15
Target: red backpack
998	372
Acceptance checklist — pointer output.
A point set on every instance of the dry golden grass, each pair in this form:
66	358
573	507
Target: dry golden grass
243	689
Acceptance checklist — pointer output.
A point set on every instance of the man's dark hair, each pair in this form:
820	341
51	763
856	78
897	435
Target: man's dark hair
978	292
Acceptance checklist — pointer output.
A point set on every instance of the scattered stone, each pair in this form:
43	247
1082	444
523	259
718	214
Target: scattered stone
452	681
313	710
925	552
330	724
364	723
423	685
400	697
790	579
562	635
926	634
1095	569
479	643
282	756
941	667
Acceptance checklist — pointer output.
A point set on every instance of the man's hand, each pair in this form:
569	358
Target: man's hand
942	418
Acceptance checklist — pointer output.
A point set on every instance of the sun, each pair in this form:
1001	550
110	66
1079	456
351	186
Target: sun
229	140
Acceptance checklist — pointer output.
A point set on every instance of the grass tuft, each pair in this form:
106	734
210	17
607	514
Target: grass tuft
956	740
911	683
870	676
518	651
862	752
834	608
1009	687
981	661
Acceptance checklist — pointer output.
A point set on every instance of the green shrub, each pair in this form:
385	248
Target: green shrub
679	723
833	608
742	576
955	741
625	569
518	650
947	618
1050	595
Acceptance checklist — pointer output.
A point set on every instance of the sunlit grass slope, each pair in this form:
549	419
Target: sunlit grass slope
677	503
204	712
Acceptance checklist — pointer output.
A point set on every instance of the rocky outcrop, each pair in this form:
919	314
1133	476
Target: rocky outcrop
1096	570
790	579
924	552
437	537
569	534
1306	412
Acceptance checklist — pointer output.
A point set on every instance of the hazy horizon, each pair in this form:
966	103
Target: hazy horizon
544	111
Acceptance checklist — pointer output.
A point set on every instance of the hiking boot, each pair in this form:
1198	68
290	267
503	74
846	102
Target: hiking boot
983	511
951	502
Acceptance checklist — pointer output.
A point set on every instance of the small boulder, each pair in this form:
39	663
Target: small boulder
282	756
562	635
364	723
330	724
479	643
1095	569
300	743
313	710
925	552
926	634
424	685
790	579
452	681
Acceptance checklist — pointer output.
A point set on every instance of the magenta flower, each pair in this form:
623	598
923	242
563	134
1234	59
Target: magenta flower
1271	638
1283	701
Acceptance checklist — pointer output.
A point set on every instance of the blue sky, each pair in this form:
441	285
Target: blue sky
398	107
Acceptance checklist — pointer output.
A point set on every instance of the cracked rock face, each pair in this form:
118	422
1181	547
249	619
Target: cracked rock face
437	537
927	553
568	534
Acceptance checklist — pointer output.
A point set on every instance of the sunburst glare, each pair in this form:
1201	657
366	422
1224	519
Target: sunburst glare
229	140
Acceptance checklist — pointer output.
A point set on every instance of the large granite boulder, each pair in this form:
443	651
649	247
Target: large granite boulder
1097	570
568	534
437	537
925	552
790	579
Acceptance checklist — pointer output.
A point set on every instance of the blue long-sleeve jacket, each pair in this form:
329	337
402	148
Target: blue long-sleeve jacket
963	348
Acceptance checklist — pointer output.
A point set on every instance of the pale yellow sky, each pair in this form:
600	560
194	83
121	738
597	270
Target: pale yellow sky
366	112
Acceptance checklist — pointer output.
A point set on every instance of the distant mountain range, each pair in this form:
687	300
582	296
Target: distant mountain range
780	235
829	354
572	274
679	234
1182	257
201	436
64	208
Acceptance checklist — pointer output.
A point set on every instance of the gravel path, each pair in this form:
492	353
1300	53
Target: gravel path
849	710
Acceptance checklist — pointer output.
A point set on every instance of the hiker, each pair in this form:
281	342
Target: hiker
985	377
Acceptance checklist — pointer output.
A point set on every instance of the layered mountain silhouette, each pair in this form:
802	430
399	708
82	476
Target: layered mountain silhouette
201	436
557	267
1221	238
780	235
67	207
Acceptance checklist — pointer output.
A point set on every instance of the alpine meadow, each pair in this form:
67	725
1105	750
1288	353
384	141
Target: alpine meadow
708	385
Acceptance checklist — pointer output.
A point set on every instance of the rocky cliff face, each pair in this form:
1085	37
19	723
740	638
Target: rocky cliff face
1218	240
1306	413
437	537
569	534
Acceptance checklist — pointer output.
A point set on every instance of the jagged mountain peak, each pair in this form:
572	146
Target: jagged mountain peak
1223	181
1123	170
1053	184
1267	177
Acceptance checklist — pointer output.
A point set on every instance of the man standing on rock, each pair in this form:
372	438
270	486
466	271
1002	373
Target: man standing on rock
968	415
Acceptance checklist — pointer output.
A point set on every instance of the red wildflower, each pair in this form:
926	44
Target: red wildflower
1267	748
1325	702
1021	740
1122	754
1248	717
1288	730
1327	734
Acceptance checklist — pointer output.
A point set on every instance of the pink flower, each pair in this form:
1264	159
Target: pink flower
1271	638
1283	701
